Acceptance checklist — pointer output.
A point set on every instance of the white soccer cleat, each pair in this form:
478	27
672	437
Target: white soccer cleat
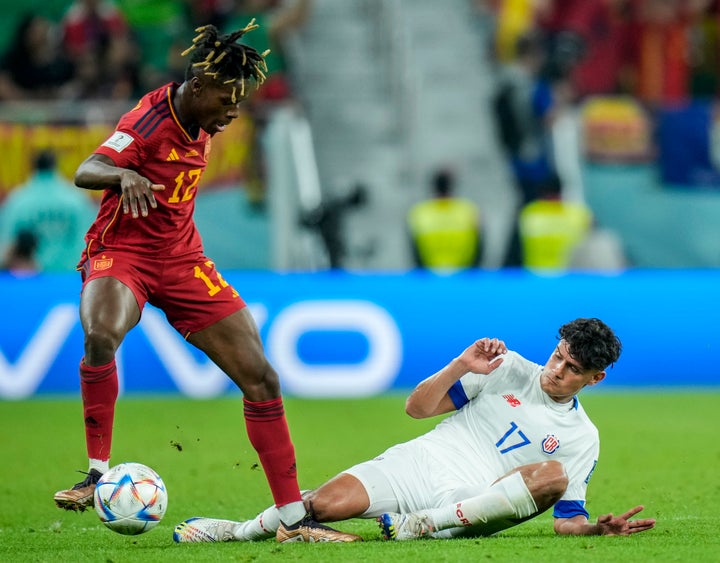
203	530
403	527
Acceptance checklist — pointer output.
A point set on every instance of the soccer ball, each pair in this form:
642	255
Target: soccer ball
130	498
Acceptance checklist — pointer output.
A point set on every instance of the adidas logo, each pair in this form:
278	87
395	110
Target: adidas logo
190	153
173	155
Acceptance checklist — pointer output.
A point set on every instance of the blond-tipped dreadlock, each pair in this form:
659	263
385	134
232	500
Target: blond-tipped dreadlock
220	57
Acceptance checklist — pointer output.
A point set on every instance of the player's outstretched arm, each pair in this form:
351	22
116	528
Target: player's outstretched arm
99	172
607	524
430	397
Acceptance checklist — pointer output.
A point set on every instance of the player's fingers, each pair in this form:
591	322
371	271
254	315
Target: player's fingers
134	207
632	512
487	348
643	528
645	523
150	196
495	362
144	206
152	200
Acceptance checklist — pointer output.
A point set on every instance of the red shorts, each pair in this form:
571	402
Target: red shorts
188	289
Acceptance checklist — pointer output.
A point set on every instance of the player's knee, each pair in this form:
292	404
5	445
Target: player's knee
101	340
328	504
259	383
319	505
269	377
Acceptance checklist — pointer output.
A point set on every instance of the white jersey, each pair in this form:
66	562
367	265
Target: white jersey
504	420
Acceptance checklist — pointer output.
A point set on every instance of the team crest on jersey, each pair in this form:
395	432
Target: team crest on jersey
102	263
550	444
512	400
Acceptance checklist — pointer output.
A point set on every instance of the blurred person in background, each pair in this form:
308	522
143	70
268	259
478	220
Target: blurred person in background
705	50
523	107
550	229
144	247
100	43
511	19
660	50
34	66
53	209
517	442
445	230
532	92
19	259
590	41
207	12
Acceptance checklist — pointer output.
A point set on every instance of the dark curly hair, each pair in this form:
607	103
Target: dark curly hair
225	60
591	342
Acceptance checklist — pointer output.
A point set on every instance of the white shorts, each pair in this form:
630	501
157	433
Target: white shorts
405	478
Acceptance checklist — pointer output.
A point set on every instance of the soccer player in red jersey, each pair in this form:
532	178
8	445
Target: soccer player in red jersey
144	248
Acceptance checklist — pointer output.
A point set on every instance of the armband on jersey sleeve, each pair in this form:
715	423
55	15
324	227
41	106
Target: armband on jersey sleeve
457	395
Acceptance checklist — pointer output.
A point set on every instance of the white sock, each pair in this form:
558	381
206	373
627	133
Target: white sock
263	526
99	465
292	513
508	498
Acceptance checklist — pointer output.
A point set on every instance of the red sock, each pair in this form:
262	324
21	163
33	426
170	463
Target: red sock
268	432
99	388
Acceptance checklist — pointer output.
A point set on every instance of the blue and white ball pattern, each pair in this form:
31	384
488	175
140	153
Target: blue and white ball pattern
130	498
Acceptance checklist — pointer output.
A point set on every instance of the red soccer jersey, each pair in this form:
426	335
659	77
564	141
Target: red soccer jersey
150	140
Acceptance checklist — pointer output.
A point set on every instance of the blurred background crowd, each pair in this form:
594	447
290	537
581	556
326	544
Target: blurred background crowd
391	134
86	49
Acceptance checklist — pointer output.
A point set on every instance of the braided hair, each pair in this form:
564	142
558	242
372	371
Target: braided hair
223	59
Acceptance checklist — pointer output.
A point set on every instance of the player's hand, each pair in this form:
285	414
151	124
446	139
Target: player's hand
484	355
622	525
137	193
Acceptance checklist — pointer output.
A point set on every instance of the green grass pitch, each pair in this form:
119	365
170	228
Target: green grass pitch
659	448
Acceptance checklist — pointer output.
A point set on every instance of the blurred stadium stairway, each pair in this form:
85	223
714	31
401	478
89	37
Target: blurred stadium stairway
393	89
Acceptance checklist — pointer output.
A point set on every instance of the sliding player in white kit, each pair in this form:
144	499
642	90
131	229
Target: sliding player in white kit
518	444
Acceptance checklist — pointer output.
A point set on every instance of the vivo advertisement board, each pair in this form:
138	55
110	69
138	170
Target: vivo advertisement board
343	334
